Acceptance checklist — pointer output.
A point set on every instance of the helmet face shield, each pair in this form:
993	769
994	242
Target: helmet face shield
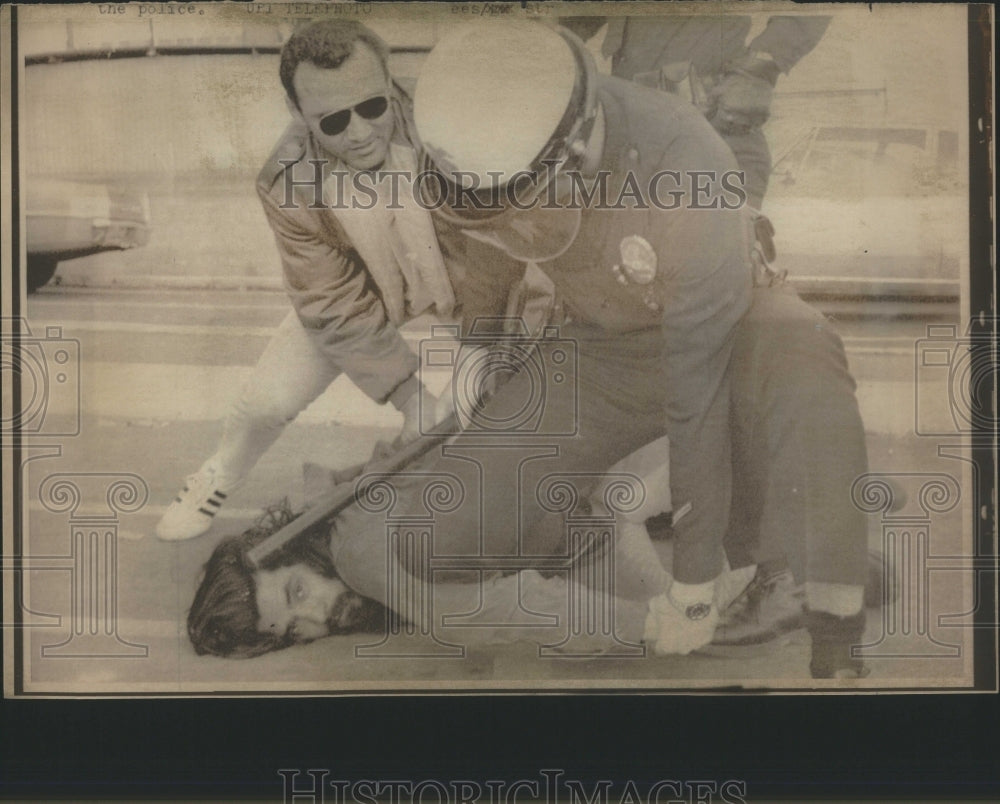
533	235
527	218
497	173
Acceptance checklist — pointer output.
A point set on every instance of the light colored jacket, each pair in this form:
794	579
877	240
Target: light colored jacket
338	297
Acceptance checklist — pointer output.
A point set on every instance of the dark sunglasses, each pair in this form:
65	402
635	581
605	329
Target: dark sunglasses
337	122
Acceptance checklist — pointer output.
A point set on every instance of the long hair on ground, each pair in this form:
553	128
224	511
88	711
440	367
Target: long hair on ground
223	617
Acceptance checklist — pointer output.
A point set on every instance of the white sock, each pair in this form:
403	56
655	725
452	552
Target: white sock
841	599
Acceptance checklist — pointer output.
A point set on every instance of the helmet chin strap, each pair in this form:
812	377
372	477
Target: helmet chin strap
534	235
587	147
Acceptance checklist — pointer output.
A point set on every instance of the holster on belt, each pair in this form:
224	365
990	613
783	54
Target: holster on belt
763	252
532	301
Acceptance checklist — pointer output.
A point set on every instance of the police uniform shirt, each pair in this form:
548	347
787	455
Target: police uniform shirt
699	293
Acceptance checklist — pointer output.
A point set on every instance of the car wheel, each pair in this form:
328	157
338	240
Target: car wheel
40	271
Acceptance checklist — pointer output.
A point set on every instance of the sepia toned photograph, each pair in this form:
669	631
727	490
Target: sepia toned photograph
495	347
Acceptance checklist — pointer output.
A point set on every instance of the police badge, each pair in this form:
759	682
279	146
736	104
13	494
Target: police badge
638	263
638	266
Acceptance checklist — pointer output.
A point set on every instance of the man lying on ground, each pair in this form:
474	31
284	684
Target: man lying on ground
340	579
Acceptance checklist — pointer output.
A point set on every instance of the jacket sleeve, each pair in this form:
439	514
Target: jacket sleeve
338	305
789	38
707	290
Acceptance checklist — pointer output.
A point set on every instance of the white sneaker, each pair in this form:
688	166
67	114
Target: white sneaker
195	506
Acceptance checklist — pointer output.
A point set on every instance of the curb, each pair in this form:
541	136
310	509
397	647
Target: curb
168	282
844	287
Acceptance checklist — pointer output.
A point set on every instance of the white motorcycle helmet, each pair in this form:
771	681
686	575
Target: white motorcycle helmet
501	110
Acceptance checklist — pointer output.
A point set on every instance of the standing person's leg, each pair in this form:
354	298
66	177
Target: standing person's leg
289	375
803	446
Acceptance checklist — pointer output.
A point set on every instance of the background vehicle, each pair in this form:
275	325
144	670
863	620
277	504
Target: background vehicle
67	219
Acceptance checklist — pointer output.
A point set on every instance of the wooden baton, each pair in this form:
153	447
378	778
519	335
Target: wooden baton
337	499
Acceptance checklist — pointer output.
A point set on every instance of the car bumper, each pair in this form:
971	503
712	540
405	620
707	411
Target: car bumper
99	219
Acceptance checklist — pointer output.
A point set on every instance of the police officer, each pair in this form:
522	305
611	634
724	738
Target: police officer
708	58
679	329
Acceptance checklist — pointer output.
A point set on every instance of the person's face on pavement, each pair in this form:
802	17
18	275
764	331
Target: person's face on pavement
364	142
299	600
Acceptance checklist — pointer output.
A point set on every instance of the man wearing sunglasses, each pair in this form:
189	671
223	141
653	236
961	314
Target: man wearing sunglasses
355	266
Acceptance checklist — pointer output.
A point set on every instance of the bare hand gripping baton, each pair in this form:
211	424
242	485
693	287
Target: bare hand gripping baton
328	505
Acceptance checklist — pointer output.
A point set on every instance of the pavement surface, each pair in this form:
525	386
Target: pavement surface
156	370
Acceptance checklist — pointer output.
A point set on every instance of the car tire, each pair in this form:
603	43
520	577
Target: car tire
40	271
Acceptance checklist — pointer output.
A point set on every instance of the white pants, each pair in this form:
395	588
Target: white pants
291	373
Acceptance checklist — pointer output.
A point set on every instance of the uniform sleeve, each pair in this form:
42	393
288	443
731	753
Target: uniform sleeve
789	38
707	291
338	306
484	291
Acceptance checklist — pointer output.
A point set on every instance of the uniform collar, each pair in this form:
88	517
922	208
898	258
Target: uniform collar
616	129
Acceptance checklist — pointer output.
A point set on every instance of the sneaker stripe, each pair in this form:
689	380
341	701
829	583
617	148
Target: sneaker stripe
220	495
207	513
216	503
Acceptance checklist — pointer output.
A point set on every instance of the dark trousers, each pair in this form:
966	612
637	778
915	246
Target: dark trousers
754	158
798	446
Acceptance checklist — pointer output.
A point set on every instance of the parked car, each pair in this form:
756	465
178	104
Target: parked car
68	219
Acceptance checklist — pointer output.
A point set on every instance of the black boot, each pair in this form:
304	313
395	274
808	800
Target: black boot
832	639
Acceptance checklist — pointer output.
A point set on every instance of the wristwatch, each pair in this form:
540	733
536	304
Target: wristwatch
692	611
698	611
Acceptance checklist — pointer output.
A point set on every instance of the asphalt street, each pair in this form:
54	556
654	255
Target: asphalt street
156	370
